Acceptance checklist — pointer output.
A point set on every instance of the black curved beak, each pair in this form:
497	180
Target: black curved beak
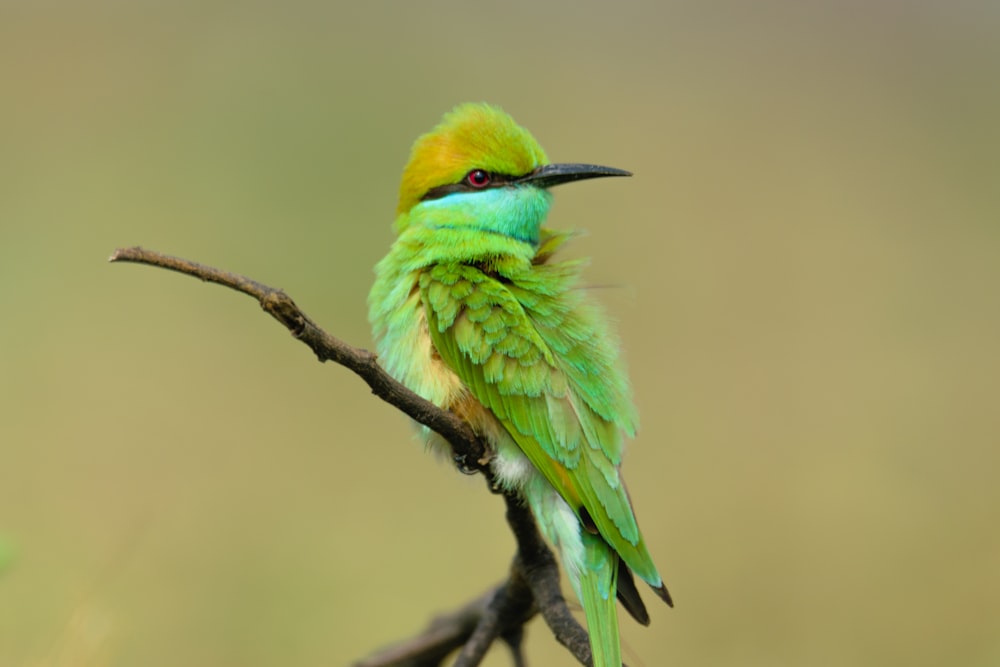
553	174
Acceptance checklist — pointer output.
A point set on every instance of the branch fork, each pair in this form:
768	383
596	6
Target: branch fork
532	585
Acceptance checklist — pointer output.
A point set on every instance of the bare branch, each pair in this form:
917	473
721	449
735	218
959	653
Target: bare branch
469	450
537	565
533	584
444	634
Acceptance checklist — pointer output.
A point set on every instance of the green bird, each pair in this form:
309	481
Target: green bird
470	311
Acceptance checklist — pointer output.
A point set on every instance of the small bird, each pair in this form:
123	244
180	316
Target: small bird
470	311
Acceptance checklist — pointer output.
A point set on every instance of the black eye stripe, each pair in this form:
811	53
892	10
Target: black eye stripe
495	181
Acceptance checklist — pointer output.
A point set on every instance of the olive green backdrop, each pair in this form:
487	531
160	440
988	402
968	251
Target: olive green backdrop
805	270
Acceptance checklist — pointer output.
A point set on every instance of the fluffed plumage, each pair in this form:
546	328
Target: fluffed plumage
469	311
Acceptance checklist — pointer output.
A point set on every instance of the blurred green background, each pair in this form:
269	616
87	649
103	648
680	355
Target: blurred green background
805	271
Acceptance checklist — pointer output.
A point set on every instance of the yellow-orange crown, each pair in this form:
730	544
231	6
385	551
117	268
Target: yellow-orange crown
470	136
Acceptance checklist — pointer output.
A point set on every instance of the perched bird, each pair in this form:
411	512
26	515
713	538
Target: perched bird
470	311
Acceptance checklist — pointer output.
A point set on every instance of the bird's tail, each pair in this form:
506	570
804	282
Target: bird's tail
597	586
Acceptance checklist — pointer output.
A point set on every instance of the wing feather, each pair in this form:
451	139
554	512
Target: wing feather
540	362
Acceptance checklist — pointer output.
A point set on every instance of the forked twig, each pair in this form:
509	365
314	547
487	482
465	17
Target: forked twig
533	583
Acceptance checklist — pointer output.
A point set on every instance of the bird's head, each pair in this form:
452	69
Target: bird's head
480	169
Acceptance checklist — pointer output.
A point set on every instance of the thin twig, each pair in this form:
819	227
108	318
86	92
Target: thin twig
444	634
533	584
466	445
537	565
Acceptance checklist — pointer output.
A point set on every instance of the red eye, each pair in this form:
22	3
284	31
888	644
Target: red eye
477	178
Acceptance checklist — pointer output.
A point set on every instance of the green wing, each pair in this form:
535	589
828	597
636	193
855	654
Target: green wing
531	352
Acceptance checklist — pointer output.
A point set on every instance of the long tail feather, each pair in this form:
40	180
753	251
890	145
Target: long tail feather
597	590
